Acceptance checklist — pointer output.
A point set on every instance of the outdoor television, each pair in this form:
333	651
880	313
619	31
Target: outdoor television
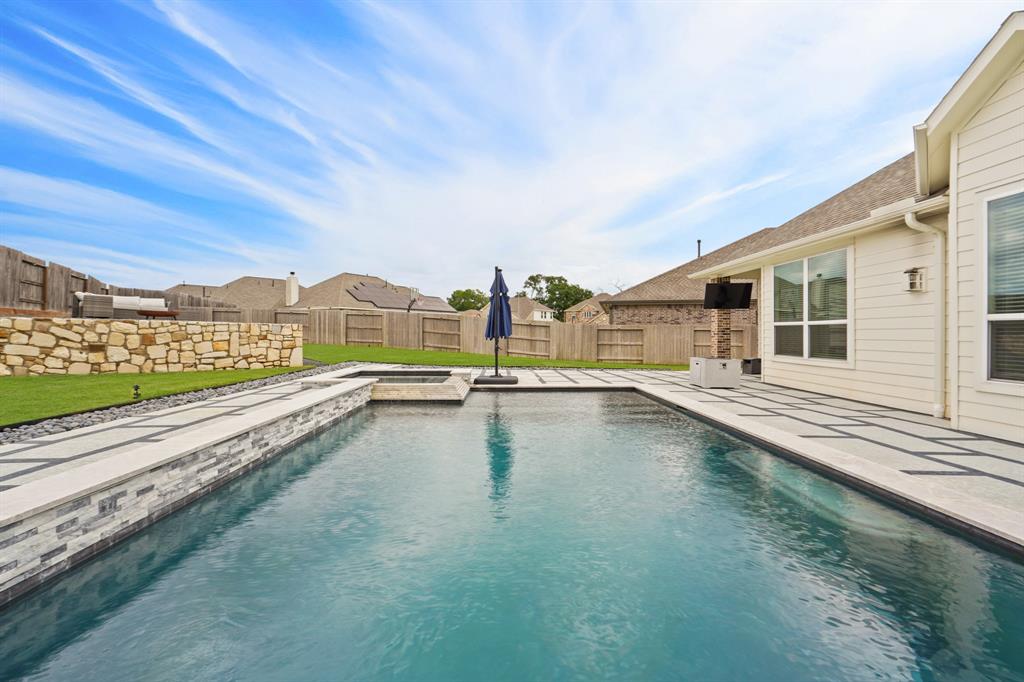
727	295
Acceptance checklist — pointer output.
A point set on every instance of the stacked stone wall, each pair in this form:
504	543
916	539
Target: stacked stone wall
79	346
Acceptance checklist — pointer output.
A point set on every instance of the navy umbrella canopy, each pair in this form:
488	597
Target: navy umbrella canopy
499	325
499	317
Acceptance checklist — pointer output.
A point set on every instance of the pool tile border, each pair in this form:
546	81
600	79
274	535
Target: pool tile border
53	524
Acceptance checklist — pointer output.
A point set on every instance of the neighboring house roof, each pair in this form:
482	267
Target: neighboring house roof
348	290
472	313
244	292
391	298
893	186
675	286
522	307
593	302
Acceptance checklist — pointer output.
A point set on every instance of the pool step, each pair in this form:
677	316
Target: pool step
454	389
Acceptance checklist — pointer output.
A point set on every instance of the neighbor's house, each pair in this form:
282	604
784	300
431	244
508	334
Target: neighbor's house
588	311
345	290
526	309
244	292
674	298
907	289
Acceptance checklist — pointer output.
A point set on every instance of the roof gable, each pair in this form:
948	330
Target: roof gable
675	285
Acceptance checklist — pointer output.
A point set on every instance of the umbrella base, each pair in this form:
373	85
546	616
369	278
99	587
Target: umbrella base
493	380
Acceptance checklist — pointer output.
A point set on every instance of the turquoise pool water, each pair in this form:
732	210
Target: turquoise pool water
528	537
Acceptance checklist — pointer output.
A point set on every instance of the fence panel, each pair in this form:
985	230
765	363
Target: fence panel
574	342
32	283
620	344
364	329
226	314
401	329
441	333
530	340
325	326
292	317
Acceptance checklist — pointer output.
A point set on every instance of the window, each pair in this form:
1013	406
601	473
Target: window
1004	314
810	303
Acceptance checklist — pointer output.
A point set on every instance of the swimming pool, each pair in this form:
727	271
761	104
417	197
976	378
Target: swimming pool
526	536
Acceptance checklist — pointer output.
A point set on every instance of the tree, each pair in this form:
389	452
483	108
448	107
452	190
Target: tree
556	292
468	299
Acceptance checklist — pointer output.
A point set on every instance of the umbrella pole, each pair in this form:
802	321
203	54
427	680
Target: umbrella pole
496	356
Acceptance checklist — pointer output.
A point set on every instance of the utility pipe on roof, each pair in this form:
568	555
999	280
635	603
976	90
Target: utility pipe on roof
939	400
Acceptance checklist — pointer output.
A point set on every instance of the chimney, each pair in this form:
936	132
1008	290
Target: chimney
698	248
291	290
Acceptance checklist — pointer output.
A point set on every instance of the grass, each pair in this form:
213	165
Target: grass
405	356
37	397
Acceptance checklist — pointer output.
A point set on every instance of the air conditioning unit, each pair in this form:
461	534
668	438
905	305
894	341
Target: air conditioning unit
915	279
715	372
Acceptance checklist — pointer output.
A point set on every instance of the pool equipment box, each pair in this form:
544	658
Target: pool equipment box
715	372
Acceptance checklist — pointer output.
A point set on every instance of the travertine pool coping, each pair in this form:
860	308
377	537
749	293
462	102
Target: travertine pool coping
52	491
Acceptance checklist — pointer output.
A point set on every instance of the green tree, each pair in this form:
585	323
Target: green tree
468	299
556	292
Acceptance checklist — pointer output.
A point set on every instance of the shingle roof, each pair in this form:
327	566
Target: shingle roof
892	183
676	285
244	292
592	301
389	298
522	307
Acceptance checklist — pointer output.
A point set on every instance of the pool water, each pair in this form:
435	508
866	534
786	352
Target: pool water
576	536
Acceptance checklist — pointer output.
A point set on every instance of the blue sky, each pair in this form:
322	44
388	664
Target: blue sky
148	143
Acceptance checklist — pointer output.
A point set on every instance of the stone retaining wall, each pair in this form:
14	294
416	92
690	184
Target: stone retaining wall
78	346
43	545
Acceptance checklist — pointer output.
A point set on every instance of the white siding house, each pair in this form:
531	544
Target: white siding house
907	289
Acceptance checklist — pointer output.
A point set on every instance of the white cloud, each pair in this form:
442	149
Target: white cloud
463	136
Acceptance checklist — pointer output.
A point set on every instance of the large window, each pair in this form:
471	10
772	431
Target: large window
810	307
1005	288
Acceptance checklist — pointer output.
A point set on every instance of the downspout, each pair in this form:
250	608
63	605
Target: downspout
939	399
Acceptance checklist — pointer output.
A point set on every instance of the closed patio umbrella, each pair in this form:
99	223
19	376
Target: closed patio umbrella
499	326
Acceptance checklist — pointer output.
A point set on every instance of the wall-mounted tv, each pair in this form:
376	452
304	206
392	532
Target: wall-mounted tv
728	295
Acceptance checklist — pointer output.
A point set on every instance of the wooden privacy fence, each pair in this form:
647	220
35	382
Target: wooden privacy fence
650	344
30	283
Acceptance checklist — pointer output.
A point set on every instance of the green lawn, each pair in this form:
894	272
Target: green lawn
36	397
405	356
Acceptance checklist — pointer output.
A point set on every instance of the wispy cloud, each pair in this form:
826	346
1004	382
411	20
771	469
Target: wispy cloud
425	142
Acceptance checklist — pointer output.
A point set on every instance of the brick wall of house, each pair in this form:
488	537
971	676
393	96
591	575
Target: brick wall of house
677	313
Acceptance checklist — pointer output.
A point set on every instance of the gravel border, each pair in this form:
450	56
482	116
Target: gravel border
15	434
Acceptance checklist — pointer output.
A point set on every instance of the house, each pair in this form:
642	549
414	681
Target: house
907	289
345	290
588	311
526	309
674	298
244	292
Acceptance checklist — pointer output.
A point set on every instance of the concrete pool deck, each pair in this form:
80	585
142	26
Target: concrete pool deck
970	481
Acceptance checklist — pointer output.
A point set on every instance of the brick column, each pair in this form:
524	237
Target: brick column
721	329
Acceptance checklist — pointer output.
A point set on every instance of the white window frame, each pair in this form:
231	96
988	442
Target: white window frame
807	323
983	379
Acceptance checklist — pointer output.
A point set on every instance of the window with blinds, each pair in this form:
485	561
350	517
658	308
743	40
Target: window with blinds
811	299
1005	285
